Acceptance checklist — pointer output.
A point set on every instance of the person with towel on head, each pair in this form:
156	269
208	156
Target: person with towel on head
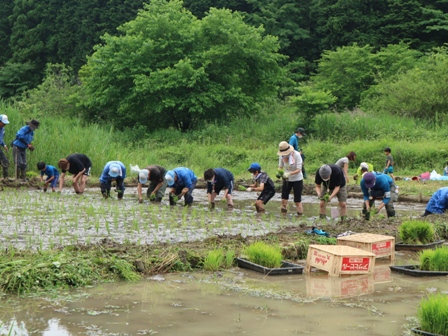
363	168
330	179
21	143
157	183
182	182
290	162
113	171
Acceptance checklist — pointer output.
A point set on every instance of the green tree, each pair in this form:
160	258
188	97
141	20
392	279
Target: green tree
169	69
311	102
420	92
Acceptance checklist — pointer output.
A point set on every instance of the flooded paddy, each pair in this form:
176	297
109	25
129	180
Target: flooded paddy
234	301
35	220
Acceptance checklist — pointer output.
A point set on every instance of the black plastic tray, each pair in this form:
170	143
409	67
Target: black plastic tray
285	269
411	247
421	332
415	271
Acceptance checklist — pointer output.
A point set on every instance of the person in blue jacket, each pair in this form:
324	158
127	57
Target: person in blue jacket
3	159
182	182
378	187
218	179
294	141
113	171
52	175
438	202
21	143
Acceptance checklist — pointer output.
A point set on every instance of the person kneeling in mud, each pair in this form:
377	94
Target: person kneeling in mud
182	182
113	171
378	187
263	184
218	179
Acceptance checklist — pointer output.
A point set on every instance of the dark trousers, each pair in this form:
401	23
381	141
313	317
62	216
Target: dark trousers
188	197
5	164
389	208
105	187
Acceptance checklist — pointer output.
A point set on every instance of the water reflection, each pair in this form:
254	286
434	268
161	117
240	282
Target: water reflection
230	302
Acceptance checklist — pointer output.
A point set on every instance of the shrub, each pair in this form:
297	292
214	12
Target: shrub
416	232
433	314
263	254
434	260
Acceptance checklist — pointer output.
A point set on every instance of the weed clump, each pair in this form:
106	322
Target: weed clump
433	314
263	254
417	232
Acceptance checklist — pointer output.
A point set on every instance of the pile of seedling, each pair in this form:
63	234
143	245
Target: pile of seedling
417	232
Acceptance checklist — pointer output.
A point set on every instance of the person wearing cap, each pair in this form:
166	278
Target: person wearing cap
3	159
378	187
21	143
217	180
182	182
343	163
157	183
294	142
52	175
113	171
438	202
290	162
330	178
79	165
263	184
364	167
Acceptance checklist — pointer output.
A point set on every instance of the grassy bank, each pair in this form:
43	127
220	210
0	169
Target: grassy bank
417	147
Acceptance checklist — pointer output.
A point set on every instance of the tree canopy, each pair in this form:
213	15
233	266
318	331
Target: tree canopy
170	69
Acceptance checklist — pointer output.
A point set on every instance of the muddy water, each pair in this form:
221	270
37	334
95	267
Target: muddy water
36	220
230	302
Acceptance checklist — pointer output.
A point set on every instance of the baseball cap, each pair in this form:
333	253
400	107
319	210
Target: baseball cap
369	180
169	177
4	119
301	131
114	170
255	166
325	172
143	176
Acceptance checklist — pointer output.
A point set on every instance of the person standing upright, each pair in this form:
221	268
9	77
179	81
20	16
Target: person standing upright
21	143
3	159
294	142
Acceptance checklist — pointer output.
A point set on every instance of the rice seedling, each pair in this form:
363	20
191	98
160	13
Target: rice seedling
434	260
263	254
416	232
214	260
229	258
433	314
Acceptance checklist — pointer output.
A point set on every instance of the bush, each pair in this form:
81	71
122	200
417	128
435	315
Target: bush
434	260
417	232
263	254
433	314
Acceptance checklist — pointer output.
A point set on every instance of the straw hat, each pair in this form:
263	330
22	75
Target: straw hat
285	148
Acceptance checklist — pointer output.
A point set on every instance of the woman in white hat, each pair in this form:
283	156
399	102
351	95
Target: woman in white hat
290	162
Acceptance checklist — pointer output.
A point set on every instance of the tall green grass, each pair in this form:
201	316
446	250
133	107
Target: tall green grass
416	147
433	314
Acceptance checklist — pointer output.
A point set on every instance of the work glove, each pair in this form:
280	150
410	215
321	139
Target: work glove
31	147
286	175
249	189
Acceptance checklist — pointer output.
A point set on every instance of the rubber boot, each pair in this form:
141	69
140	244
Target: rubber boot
299	214
23	174
120	195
